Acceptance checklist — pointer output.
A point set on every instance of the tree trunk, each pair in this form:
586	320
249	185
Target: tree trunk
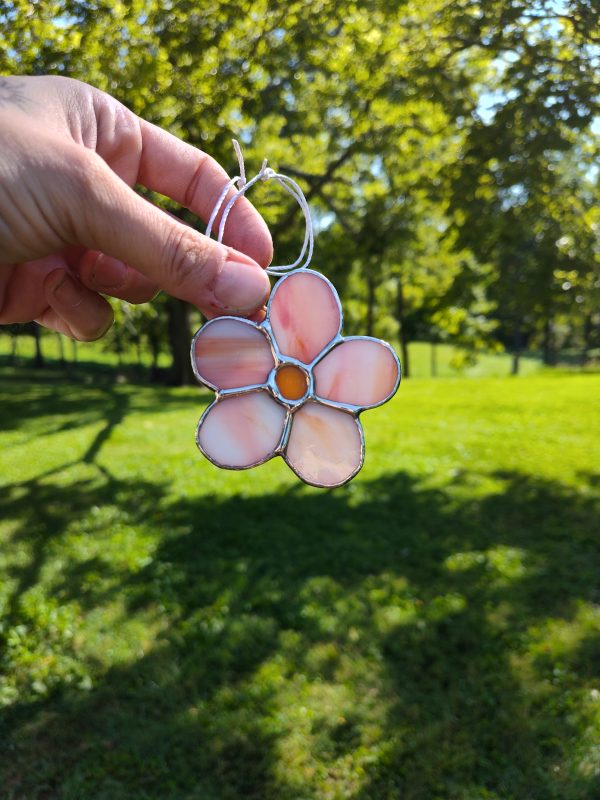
549	349
404	357
181	373
39	356
433	359
588	326
61	350
140	360
154	342
517	347
370	304
405	364
13	349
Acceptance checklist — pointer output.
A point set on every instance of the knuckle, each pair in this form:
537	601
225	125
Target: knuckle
80	173
196	181
119	140
127	126
188	258
86	170
84	189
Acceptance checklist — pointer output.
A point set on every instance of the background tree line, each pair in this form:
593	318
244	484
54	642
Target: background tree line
447	148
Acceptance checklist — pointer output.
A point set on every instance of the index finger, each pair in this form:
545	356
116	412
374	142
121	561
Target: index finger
195	180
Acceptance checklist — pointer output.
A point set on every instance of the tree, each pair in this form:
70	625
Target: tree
414	128
509	190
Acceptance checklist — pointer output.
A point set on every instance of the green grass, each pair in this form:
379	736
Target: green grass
448	357
176	632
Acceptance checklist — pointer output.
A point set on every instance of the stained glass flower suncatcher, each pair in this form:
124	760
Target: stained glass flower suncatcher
291	385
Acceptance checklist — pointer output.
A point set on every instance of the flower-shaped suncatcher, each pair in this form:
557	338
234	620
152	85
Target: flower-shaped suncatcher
291	385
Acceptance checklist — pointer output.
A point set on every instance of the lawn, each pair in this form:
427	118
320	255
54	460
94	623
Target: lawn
175	632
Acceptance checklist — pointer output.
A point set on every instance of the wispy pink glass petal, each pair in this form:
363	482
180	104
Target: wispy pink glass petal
305	315
325	445
230	354
242	430
360	372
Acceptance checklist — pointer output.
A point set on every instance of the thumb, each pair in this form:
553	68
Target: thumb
113	218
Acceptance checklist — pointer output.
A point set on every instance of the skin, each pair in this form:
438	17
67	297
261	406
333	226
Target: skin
72	228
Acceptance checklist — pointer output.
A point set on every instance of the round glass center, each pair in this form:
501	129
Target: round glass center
292	381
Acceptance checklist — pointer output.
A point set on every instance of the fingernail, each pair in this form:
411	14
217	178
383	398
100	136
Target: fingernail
67	292
109	273
241	287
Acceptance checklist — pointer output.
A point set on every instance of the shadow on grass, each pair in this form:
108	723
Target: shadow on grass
61	406
411	607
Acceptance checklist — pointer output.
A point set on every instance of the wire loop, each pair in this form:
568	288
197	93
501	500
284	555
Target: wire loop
242	185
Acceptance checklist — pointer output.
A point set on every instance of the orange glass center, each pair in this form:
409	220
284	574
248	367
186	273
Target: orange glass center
291	381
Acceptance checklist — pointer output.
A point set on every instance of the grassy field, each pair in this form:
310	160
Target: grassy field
175	632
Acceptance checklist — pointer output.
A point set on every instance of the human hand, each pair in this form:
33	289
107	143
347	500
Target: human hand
72	227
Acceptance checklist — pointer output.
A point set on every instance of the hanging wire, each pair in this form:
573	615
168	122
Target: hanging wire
242	185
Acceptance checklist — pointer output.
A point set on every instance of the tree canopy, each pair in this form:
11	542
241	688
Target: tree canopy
447	148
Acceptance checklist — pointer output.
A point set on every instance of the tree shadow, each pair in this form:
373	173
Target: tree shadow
59	405
413	608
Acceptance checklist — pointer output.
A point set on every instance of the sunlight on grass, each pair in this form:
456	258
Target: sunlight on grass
505	563
170	630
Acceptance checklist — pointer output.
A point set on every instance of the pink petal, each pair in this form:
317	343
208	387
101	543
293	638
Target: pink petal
241	431
325	447
359	371
305	315
229	353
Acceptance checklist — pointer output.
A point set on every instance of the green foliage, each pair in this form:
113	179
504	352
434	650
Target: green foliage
38	653
170	630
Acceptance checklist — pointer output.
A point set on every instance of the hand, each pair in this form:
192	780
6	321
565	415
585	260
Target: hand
72	228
